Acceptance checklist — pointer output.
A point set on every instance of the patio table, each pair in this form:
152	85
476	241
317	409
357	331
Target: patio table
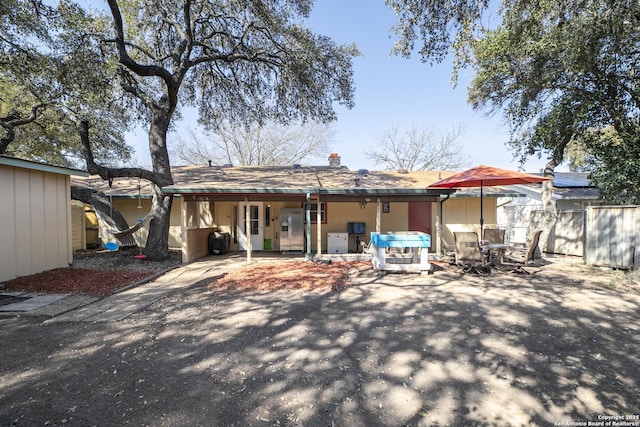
497	248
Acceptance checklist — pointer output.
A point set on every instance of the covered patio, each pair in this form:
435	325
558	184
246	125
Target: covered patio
249	204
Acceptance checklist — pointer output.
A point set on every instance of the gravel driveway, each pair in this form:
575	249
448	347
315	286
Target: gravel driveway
557	347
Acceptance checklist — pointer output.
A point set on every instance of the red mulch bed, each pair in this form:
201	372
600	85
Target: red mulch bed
263	276
76	281
302	275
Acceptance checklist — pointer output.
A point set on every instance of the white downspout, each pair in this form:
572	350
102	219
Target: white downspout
319	228
247	227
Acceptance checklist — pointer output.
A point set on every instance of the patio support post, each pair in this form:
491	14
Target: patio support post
378	212
247	227
308	217
441	225
319	228
481	212
186	256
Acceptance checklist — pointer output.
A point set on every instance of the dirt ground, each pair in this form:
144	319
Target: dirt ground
560	346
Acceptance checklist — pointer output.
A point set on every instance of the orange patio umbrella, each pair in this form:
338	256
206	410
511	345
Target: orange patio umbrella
486	176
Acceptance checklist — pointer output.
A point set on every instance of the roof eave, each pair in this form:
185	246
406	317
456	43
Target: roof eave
42	167
302	191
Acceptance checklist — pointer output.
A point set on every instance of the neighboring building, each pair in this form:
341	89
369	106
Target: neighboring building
572	192
337	200
35	217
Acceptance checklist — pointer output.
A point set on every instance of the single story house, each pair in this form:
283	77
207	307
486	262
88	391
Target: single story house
339	207
572	191
35	216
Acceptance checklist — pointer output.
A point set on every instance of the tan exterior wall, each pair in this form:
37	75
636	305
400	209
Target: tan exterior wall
78	227
175	223
128	207
36	222
338	214
463	214
459	214
92	229
197	223
196	244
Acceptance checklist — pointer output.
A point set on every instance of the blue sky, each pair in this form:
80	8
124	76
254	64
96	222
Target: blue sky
393	91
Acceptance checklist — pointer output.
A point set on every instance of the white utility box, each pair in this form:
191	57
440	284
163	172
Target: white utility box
337	243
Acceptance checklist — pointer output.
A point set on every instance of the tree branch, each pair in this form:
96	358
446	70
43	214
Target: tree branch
109	173
13	120
123	55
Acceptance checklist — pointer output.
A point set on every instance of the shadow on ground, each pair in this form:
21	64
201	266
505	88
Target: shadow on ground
445	349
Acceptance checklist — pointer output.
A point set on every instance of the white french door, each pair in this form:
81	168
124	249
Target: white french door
255	228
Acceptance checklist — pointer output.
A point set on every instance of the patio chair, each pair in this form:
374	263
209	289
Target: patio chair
365	247
468	248
494	235
449	250
470	256
524	255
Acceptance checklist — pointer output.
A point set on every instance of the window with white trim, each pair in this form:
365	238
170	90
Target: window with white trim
314	212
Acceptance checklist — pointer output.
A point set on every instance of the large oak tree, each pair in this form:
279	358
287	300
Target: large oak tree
235	60
52	75
559	72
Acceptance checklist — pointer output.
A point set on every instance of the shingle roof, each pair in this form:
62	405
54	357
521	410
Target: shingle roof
283	180
195	179
199	179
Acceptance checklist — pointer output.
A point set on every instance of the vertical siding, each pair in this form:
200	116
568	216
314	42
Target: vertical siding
463	214
65	243
459	213
338	214
396	220
567	236
36	231
8	232
611	236
78	228
175	225
51	222
24	226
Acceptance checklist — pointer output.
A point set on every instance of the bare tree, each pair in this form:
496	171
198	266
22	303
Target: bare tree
256	145
419	149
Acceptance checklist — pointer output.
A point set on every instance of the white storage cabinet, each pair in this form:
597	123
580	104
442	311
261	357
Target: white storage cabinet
337	243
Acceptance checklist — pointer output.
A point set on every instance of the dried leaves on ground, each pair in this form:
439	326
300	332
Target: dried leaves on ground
290	275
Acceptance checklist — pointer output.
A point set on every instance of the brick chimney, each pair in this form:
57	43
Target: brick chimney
334	160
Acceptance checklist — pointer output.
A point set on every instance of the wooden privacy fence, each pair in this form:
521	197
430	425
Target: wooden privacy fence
611	237
607	236
567	237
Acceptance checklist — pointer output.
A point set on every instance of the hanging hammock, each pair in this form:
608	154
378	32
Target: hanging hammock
125	237
129	231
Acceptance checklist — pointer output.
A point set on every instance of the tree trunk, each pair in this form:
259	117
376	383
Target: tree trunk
157	247
549	208
101	204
